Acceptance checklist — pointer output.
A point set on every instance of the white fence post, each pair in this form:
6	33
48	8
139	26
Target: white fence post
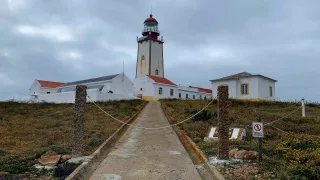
303	108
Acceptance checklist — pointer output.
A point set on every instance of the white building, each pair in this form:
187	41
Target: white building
153	88
112	87
246	86
150	87
40	87
150	82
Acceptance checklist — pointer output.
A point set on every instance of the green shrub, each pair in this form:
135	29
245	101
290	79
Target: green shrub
16	165
302	145
95	142
301	172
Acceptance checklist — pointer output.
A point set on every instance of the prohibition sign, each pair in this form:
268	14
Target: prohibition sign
257	127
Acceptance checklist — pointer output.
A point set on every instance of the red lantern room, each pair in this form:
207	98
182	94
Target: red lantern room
151	28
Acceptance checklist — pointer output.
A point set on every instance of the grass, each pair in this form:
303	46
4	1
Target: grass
294	155
29	130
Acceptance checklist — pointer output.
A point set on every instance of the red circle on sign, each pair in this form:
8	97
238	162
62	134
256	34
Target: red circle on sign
257	127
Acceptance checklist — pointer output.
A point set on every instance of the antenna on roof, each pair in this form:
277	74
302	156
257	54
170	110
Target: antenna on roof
123	71
151	9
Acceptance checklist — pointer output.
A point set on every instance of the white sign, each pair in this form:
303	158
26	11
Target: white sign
233	133
257	129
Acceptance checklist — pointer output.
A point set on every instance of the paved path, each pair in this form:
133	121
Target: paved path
148	154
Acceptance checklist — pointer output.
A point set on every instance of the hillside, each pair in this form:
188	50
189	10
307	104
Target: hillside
291	147
29	130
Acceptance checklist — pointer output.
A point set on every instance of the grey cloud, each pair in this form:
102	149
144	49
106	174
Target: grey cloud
277	39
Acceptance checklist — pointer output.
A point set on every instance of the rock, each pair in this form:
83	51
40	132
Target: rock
246	155
38	166
232	152
4	174
65	158
77	160
210	139
49	159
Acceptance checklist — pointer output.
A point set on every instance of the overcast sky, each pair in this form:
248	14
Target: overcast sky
68	40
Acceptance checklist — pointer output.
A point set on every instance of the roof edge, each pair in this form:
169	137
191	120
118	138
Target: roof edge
254	75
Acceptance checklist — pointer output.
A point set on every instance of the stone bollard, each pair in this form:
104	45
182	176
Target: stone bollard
78	123
223	124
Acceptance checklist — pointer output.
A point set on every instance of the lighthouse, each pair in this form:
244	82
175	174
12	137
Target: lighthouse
150	50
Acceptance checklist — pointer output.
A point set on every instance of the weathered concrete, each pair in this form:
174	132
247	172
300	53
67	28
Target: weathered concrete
148	154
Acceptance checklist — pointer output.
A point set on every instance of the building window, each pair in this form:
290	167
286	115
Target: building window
194	96
187	96
157	72
270	91
244	89
48	92
205	97
171	92
140	89
179	95
200	97
160	91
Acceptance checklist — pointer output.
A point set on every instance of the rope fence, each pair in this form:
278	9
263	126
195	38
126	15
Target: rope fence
150	128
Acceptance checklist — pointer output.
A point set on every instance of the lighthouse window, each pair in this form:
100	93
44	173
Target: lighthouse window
157	72
142	57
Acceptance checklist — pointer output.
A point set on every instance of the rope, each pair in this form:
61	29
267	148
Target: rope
283	117
279	109
147	127
280	130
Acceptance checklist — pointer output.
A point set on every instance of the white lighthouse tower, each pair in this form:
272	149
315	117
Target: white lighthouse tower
150	50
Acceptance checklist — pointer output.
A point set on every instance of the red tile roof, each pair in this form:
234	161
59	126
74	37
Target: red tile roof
202	89
49	84
161	80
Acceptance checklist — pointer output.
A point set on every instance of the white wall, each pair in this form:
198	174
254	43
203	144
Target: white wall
44	90
253	87
232	84
144	82
121	84
165	91
94	94
143	49
35	88
203	94
156	58
264	85
258	87
183	90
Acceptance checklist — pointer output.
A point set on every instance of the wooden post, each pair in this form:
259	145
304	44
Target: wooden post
78	123
259	150
259	147
303	108
223	124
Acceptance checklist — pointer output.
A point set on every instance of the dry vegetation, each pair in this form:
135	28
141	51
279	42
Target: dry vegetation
292	155
29	130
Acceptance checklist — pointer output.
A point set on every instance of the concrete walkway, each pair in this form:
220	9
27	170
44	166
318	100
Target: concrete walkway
148	154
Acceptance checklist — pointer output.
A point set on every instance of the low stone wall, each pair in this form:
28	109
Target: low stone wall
95	95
